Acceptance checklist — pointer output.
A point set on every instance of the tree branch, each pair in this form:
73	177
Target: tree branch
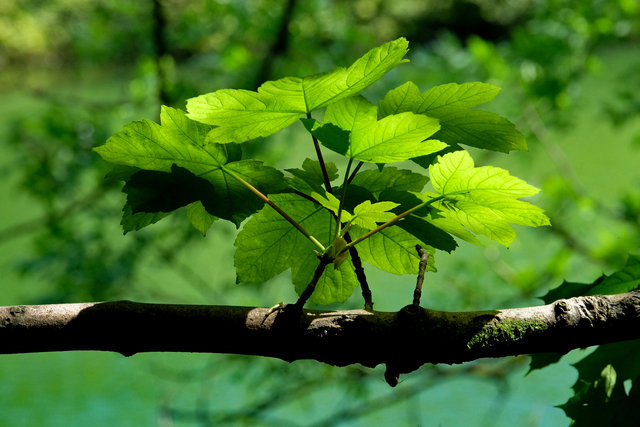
404	340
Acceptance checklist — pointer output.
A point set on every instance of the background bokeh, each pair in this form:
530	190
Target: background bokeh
73	72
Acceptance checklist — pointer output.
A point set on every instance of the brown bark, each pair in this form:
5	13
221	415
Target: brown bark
404	340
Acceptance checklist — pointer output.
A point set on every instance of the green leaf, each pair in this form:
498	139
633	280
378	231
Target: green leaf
334	286
390	179
599	394
332	203
199	217
368	215
428	233
333	137
481	129
451	104
393	250
351	113
323	89
310	178
484	200
153	191
147	145
182	142
267	245
242	115
624	280
393	139
139	220
233	201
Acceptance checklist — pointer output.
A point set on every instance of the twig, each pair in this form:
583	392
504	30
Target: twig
424	258
355	171
360	275
308	291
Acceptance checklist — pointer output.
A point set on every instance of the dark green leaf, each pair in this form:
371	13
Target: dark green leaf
390	178
624	280
153	191
137	221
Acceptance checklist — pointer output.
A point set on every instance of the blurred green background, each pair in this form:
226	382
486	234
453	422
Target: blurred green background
73	72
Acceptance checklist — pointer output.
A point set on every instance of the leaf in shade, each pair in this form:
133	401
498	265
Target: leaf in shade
136	221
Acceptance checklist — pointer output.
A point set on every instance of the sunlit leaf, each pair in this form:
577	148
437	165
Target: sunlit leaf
451	104
322	89
393	250
242	115
181	142
393	139
351	113
368	215
484	200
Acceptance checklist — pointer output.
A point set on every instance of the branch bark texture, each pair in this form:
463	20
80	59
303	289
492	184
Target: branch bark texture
403	340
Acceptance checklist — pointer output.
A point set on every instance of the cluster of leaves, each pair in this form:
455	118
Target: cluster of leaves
377	214
607	389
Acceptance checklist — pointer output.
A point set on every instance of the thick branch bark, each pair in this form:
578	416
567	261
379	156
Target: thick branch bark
404	340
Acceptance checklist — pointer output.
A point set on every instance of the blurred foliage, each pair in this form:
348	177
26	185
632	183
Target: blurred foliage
75	71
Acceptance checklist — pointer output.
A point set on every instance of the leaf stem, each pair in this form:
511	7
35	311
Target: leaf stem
362	278
277	209
344	194
325	174
308	291
398	218
355	171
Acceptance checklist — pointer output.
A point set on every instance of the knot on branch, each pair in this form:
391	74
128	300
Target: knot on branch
406	357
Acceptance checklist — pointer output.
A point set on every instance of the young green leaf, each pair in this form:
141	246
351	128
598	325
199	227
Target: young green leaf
484	200
241	115
267	245
451	104
331	203
367	215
